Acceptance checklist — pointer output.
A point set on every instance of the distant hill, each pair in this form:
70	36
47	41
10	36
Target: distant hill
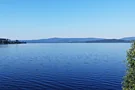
77	40
62	40
128	38
109	41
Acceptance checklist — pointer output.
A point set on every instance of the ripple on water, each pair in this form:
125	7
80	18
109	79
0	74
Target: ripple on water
54	67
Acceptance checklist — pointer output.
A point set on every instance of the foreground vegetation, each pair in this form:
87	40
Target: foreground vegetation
129	79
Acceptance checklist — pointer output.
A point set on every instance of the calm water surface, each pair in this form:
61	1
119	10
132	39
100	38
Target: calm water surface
62	66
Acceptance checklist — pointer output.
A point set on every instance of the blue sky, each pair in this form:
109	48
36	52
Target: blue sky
36	19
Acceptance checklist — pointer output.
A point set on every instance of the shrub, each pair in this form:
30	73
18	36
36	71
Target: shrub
129	79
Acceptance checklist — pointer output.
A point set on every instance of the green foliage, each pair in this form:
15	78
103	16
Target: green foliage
129	79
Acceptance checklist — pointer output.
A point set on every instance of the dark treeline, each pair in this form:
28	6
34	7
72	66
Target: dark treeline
8	41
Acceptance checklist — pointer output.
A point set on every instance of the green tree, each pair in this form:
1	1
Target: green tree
129	79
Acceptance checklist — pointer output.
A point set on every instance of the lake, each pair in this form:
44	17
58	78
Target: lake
67	66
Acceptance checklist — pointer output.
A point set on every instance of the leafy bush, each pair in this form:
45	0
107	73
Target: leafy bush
129	79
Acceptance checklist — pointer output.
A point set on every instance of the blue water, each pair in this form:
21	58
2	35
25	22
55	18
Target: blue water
62	66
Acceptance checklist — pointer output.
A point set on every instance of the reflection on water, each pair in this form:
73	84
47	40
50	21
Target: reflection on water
3	46
62	66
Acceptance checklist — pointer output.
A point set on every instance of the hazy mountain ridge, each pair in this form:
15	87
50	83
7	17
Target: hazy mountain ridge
78	40
81	40
128	38
62	40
